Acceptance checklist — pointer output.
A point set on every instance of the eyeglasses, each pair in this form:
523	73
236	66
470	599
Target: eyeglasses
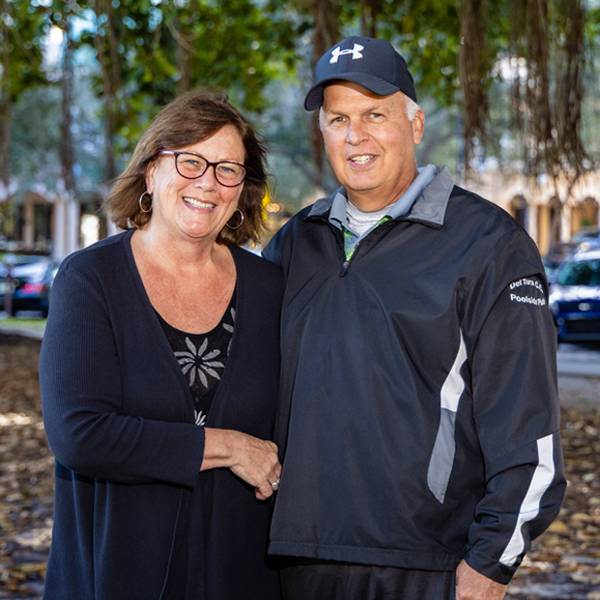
191	166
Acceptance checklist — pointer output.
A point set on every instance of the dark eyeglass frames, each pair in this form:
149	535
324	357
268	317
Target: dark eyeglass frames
191	166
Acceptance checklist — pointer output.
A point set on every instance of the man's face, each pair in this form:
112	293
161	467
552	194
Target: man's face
369	142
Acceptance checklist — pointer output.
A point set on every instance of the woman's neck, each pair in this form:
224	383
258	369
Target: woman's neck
178	254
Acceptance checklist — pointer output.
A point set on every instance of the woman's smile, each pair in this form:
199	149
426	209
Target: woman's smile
197	204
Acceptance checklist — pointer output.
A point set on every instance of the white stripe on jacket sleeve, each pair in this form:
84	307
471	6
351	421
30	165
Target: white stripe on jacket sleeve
454	384
530	507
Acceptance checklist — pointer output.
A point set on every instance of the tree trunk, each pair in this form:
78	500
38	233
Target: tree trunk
472	71
66	138
543	156
326	32
571	90
5	104
5	118
369	12
184	55
108	56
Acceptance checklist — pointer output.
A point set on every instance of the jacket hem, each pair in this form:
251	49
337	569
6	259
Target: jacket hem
490	567
383	557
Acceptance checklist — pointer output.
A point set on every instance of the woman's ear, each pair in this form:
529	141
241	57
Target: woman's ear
149	176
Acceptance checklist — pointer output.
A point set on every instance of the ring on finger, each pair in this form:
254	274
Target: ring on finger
275	484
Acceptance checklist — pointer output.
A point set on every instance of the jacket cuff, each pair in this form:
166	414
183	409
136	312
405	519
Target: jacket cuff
490	567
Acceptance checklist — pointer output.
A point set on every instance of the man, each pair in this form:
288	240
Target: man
419	419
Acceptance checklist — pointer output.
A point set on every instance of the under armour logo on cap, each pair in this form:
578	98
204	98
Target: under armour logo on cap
371	63
337	52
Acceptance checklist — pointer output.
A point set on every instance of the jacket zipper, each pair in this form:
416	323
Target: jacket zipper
380	230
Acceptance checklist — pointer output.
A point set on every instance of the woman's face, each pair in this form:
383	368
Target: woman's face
195	208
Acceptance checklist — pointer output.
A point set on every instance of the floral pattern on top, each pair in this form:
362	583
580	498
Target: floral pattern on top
202	359
199	417
199	361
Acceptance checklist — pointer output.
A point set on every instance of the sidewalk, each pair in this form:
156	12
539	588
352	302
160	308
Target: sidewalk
29	328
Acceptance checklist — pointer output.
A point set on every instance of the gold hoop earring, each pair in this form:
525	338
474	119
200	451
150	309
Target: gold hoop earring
242	217
141	202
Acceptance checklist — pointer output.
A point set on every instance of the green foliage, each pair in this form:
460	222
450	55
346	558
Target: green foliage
258	51
232	45
23	27
428	33
35	137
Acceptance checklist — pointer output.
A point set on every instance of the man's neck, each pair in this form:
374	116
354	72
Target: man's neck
373	200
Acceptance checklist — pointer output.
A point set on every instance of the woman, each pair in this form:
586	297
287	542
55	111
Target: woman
159	375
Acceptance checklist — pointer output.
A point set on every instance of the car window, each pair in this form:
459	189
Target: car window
36	270
21	259
581	272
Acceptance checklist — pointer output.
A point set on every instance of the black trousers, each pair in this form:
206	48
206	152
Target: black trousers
323	580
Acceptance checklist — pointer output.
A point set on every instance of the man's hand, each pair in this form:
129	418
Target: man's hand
472	585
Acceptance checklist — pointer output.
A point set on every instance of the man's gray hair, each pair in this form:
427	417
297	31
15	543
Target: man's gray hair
411	108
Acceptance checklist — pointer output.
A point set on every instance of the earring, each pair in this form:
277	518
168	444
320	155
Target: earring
141	202
242	217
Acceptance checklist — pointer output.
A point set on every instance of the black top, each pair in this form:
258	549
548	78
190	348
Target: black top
202	358
119	418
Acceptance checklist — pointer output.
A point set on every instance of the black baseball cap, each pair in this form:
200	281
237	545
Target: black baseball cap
370	62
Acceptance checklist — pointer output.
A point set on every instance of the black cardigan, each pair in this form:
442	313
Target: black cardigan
119	419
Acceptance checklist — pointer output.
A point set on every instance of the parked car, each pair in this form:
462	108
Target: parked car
589	244
575	297
30	278
558	253
8	261
4	283
587	234
583	240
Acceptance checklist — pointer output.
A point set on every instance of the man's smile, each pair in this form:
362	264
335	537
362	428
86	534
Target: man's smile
361	159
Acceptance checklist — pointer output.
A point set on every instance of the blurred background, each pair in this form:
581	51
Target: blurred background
511	94
510	89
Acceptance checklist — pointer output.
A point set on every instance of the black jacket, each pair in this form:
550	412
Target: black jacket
419	408
134	517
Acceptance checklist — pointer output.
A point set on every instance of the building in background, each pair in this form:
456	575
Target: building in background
40	221
538	207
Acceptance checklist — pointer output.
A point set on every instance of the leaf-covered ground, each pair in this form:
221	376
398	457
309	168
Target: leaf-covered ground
26	471
564	563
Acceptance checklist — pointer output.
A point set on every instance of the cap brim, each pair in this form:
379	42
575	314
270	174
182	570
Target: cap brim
314	98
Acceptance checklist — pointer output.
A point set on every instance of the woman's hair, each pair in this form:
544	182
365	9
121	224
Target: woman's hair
189	119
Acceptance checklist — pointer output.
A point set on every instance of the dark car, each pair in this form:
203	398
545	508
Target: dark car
587	234
585	239
4	283
30	278
556	255
575	297
8	262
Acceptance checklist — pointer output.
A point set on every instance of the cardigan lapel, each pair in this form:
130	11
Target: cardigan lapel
218	404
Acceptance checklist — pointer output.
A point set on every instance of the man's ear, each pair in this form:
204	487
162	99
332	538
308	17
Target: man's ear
418	126
321	118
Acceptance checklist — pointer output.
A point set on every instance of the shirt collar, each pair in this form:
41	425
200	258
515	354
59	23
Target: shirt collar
337	214
424	201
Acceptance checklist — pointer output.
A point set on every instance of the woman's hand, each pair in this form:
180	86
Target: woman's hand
253	460
256	462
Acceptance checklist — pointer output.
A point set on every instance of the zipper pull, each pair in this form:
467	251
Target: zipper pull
344	268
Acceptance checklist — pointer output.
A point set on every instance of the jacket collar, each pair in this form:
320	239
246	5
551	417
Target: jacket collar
429	208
